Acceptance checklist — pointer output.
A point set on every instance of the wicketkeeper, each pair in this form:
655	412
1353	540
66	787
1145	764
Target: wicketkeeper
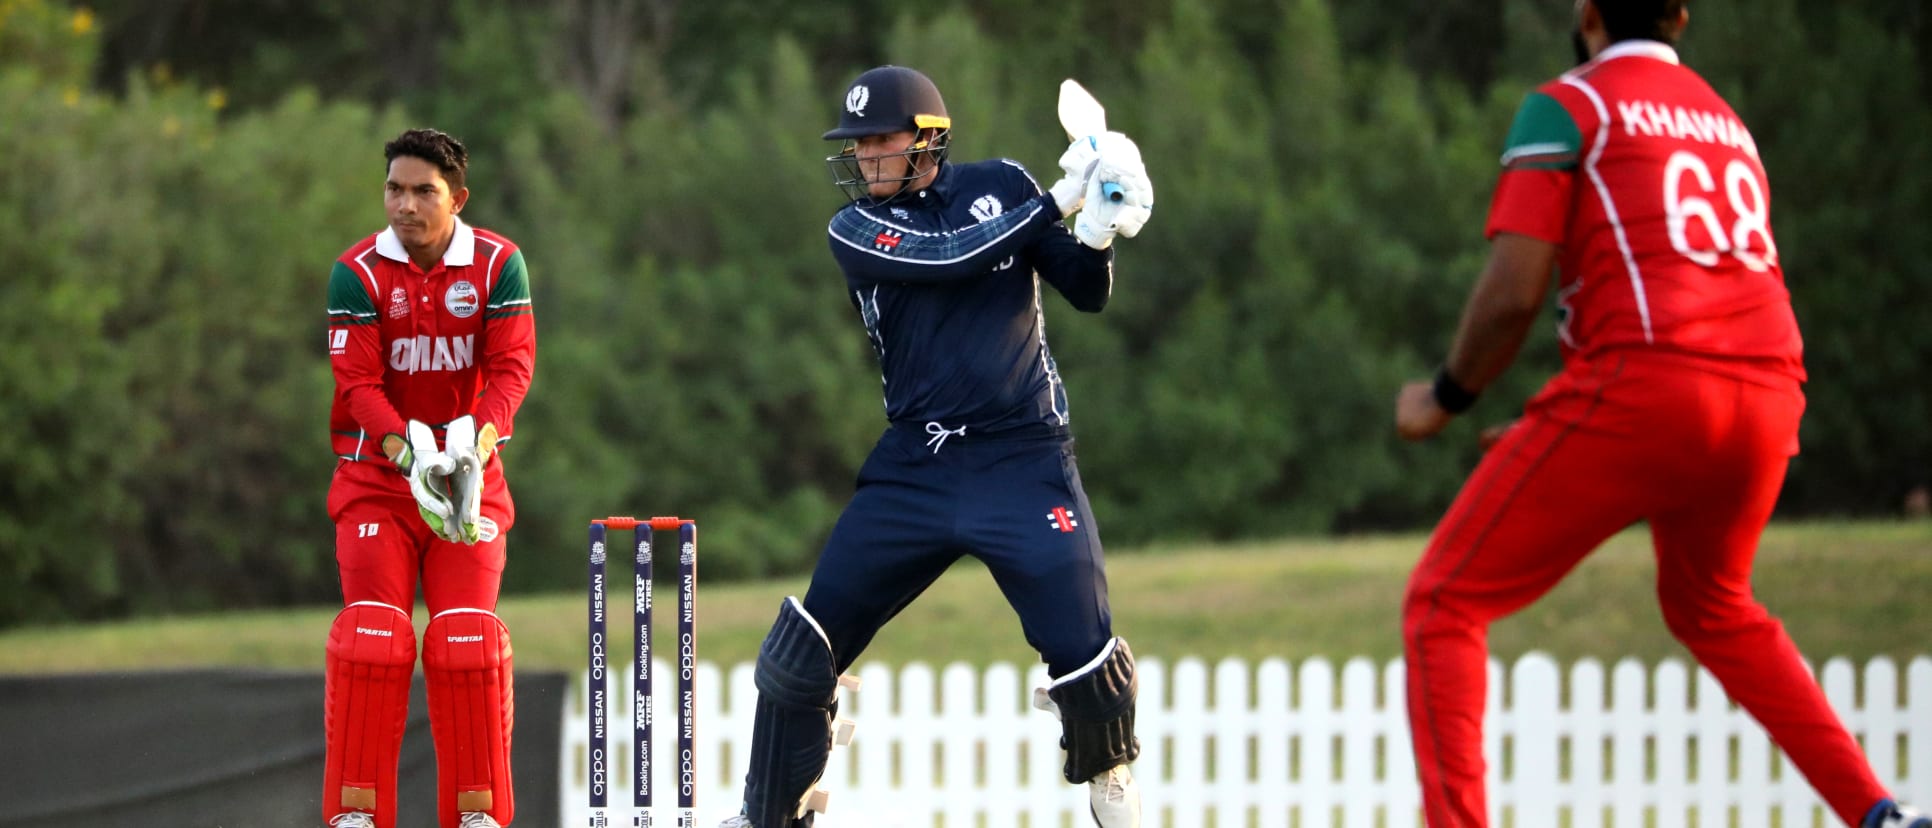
430	336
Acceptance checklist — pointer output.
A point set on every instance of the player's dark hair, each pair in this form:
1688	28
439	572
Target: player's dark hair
434	146
1641	19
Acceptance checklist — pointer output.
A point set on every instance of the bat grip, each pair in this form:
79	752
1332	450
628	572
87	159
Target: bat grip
1112	191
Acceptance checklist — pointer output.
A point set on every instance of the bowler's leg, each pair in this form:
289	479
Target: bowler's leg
1537	504
1705	549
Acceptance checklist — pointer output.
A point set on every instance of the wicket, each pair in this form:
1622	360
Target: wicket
641	693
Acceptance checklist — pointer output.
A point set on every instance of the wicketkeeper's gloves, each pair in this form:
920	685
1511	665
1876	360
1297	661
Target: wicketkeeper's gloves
428	470
468	454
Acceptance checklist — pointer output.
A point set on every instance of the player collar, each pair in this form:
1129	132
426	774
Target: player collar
1653	49
461	252
942	185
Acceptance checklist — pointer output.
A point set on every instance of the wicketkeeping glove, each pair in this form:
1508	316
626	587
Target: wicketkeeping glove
466	477
428	471
1077	164
1101	218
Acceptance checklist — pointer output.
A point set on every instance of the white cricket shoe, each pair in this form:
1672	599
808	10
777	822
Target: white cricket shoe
736	821
353	819
1114	798
477	819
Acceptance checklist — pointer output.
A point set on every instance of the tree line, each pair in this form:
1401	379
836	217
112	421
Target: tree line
175	180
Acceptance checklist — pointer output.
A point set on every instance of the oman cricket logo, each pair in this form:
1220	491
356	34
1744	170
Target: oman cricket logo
1062	519
461	299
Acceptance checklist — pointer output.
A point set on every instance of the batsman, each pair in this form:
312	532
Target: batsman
1678	404
430	329
943	262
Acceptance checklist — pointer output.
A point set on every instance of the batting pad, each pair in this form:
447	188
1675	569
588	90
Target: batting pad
371	654
1096	708
466	659
791	734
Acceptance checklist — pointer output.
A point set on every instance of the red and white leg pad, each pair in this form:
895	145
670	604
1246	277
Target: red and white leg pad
371	654
466	658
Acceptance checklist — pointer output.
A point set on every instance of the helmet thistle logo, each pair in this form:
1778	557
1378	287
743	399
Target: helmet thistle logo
856	99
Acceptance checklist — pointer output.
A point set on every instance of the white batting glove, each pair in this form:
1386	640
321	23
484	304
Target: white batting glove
1077	165
1102	218
428	471
466	478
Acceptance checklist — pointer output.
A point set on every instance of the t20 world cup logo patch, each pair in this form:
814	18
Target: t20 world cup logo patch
461	299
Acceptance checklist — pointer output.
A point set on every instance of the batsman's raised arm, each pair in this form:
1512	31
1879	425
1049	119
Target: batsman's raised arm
1084	275
1116	200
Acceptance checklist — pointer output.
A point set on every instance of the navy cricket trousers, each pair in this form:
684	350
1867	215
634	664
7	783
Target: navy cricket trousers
1016	504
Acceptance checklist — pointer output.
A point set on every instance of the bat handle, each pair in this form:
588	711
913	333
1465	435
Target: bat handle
1112	191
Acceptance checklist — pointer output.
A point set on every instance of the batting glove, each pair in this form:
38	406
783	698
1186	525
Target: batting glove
1077	165
1101	218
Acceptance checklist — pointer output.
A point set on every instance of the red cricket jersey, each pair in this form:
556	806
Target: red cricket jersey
1653	188
409	345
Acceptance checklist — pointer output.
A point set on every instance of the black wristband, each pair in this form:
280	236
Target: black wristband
1450	394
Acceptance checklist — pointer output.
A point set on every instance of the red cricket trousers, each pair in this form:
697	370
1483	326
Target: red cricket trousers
383	548
1698	449
382	545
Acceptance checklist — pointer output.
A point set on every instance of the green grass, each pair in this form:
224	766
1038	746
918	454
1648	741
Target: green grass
1851	589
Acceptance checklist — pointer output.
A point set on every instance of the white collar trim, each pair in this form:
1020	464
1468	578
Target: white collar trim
1655	50
461	252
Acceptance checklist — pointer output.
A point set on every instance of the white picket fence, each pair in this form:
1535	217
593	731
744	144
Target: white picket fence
1275	745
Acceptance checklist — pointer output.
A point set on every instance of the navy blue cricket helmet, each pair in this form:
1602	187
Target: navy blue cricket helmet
882	100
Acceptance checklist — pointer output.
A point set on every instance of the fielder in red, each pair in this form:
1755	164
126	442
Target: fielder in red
1678	403
430	331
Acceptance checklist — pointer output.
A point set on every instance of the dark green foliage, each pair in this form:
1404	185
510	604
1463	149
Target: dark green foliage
1322	169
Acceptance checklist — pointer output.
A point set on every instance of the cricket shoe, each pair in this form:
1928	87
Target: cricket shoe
353	819
1114	798
1889	814
477	819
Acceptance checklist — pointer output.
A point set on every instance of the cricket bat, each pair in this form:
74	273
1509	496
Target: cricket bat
1083	117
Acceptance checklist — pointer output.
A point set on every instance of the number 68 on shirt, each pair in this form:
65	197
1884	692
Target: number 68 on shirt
1688	188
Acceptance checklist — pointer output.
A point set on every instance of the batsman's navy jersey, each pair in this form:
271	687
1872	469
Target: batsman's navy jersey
945	281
